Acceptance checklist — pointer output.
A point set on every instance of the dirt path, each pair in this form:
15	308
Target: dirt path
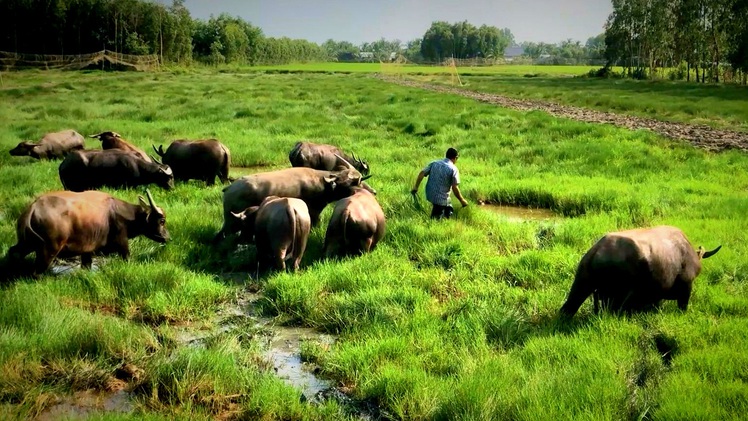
699	135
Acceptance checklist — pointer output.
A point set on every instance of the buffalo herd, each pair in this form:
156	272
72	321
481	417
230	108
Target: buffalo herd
623	271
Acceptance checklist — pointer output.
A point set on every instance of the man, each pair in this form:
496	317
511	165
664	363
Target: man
443	175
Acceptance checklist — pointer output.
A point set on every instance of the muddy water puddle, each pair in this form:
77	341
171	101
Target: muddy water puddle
281	344
520	213
86	403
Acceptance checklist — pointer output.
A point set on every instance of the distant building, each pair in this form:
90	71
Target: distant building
513	51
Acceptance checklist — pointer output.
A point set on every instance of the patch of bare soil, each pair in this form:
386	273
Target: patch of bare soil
700	136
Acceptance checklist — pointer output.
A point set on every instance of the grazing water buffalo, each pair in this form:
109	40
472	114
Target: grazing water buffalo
52	146
281	228
88	170
637	269
67	224
197	160
315	187
324	157
356	226
113	140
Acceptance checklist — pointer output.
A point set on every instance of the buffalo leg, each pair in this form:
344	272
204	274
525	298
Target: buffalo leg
86	260
280	261
44	258
123	249
19	251
685	296
580	290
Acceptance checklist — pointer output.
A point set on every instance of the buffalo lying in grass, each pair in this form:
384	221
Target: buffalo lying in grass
113	140
54	145
637	269
324	157
88	170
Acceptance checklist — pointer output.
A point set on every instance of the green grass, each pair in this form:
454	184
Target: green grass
423	69
445	320
723	106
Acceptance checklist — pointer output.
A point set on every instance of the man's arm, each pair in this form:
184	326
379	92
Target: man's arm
418	182
458	195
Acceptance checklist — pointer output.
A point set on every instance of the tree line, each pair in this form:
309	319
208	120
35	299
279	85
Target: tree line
142	27
706	37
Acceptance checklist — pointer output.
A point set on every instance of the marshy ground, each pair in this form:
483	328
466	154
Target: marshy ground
445	320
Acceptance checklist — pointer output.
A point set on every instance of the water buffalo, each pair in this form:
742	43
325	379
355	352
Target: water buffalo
324	157
637	269
197	160
52	146
315	187
88	170
356	226
67	224
113	140
281	228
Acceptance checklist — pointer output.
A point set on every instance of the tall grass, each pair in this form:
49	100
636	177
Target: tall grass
445	320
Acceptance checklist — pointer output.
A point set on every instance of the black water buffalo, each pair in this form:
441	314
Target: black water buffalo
197	160
356	226
113	140
324	157
52	146
67	224
315	187
88	170
637	269
281	228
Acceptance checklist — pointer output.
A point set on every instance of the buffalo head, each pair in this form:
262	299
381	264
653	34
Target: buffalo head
165	177
160	150
155	227
104	135
23	149
345	182
361	165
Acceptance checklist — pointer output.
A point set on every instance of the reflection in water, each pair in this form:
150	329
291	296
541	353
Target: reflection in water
519	213
83	404
285	352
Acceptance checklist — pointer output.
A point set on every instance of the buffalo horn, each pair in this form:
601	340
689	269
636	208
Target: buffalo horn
95	135
346	162
159	152
366	177
711	253
156	160
150	198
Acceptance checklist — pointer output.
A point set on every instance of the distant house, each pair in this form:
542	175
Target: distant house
366	56
513	51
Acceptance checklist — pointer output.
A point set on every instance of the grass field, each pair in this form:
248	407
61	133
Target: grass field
722	106
445	320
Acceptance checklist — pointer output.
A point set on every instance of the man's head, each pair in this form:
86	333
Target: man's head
452	154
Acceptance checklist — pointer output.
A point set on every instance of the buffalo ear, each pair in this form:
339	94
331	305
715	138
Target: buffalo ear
166	169
143	204
240	216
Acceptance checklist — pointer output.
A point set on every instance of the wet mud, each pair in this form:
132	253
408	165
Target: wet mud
521	214
83	404
701	136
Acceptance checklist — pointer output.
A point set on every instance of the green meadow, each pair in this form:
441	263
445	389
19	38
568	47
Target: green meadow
444	320
723	106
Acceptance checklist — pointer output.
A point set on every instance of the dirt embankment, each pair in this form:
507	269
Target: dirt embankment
699	135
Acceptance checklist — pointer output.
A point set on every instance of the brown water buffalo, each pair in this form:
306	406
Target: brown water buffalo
324	157
66	224
356	226
281	228
315	187
52	146
197	160
637	269
113	140
88	170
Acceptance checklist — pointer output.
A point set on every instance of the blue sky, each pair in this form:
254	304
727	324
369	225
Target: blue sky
368	20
